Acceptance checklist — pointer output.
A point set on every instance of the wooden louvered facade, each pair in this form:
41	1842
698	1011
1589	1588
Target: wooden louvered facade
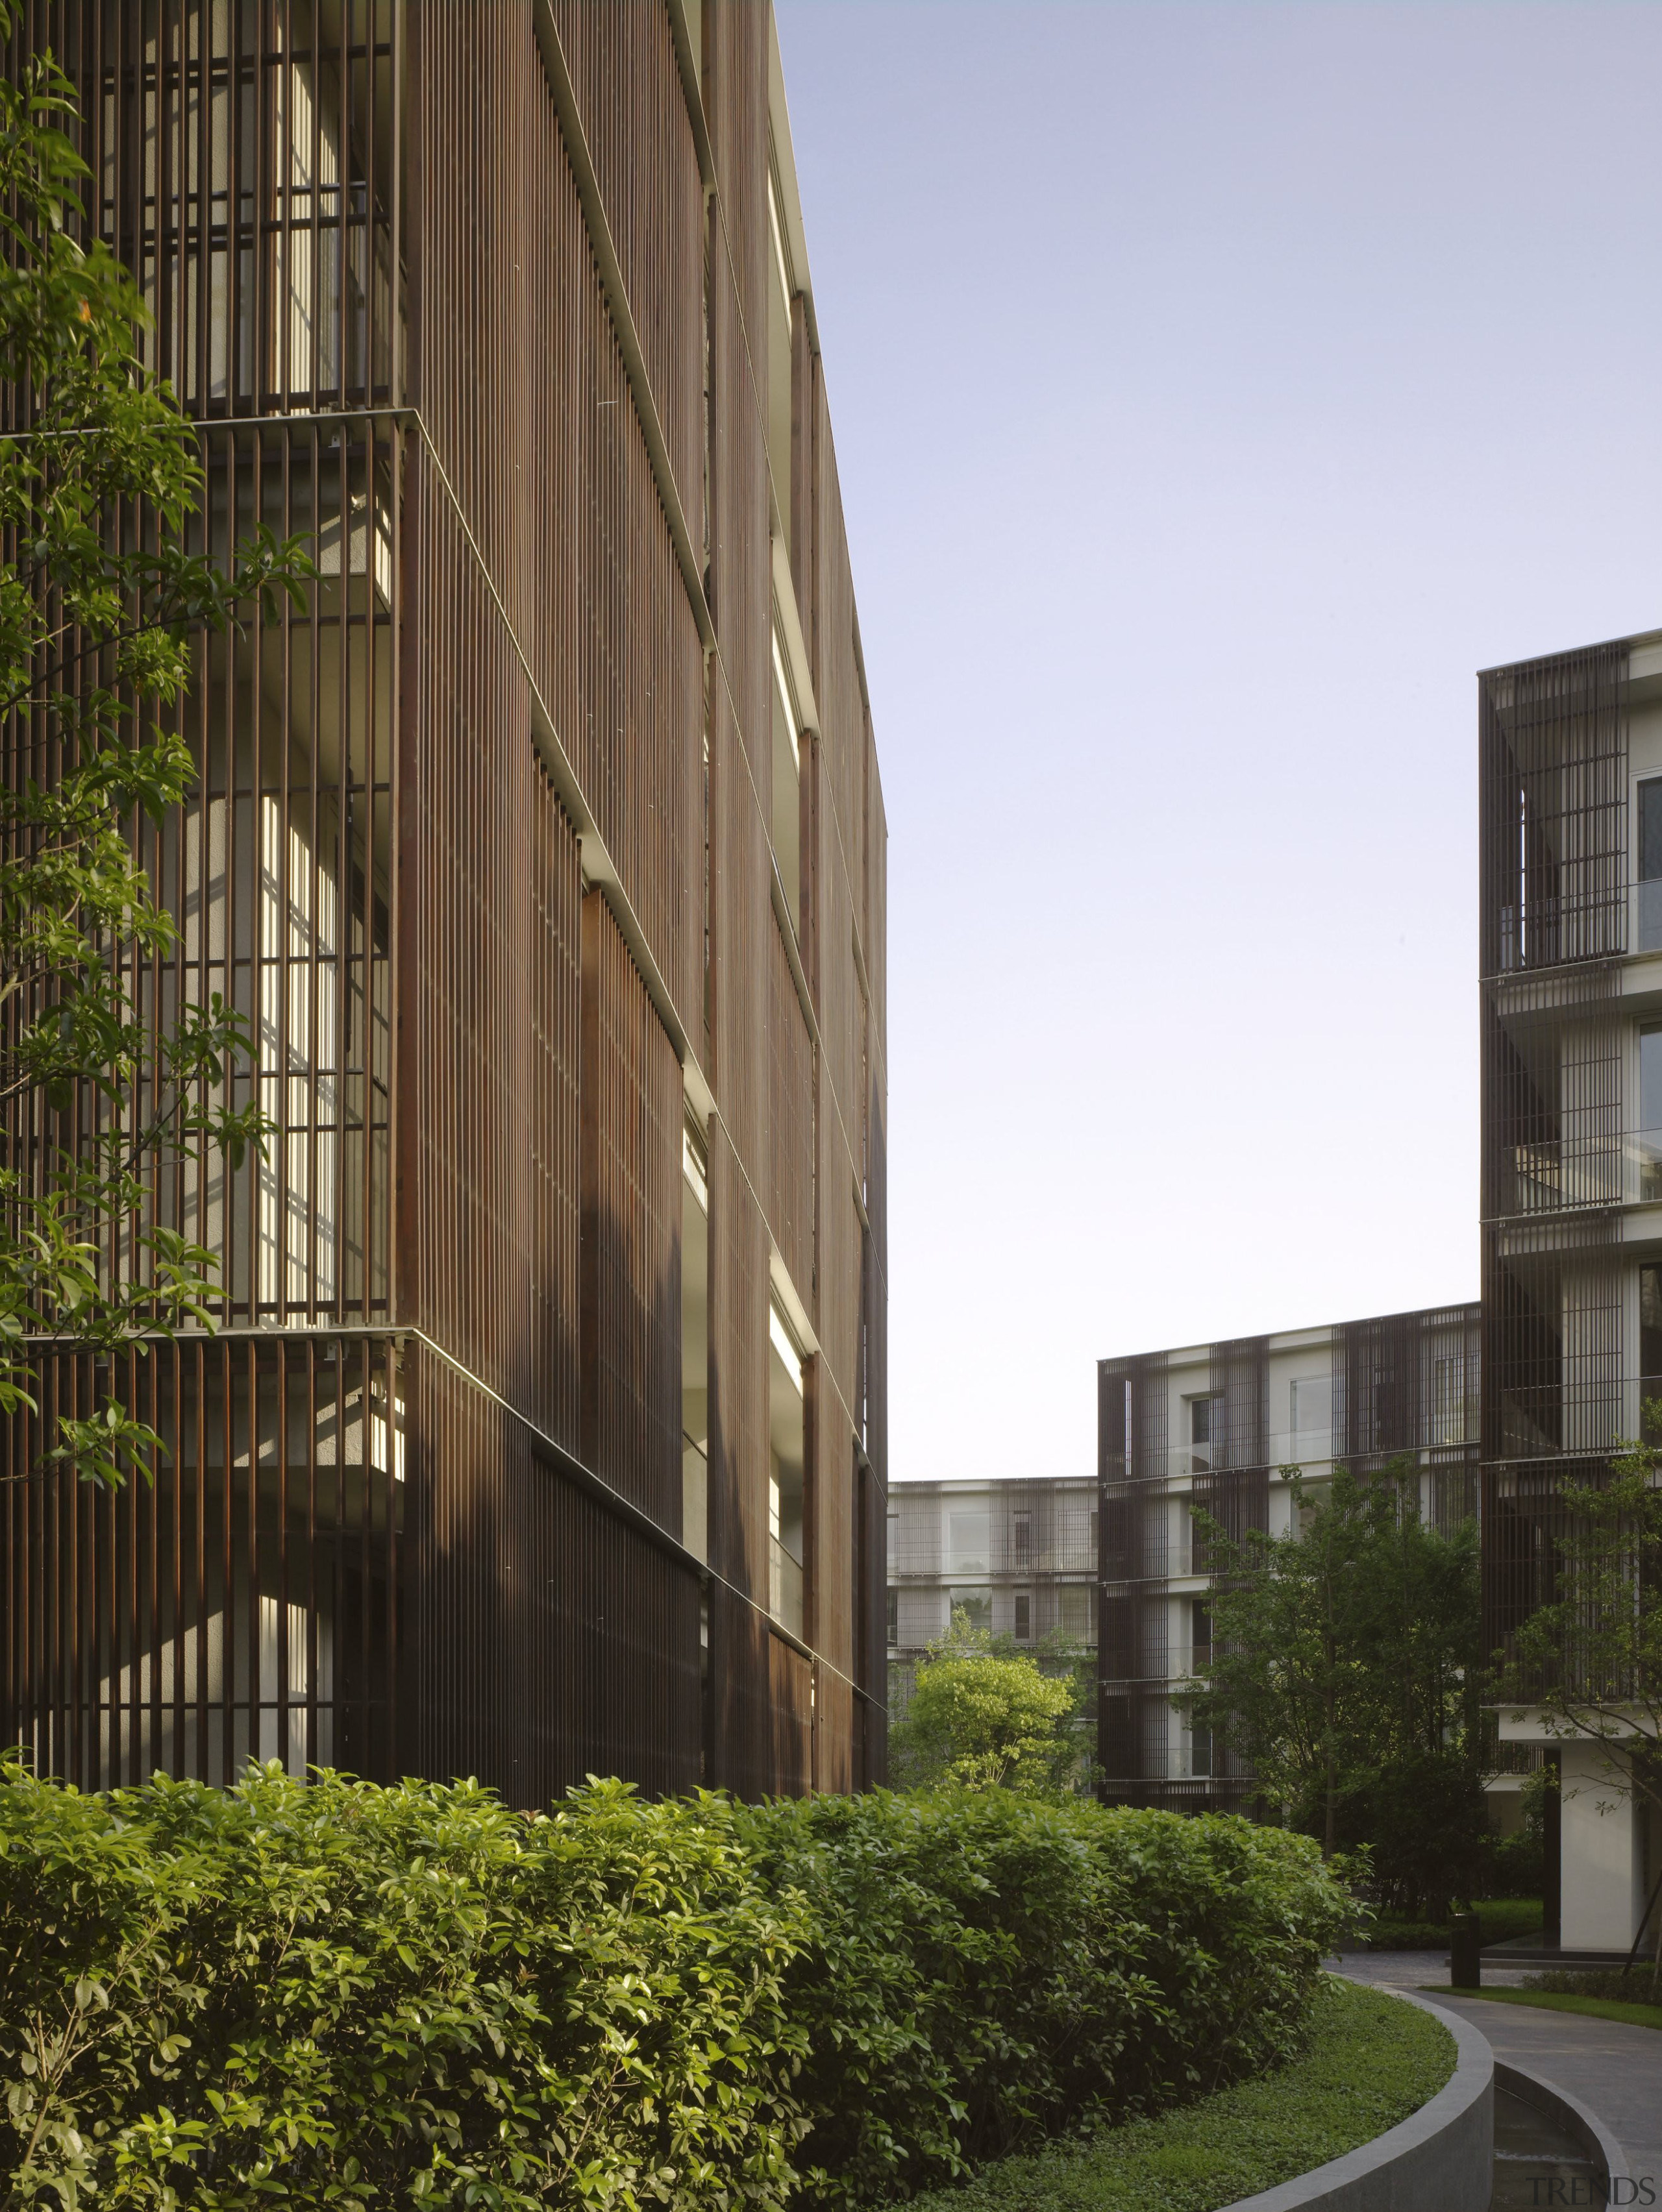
544	850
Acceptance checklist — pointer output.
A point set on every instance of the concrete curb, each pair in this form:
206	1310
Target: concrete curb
1572	2116
1441	2155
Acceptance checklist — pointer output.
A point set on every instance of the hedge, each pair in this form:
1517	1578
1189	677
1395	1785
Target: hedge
338	1994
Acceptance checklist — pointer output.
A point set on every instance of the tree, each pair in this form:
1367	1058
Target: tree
1346	1672
986	1717
101	599
1589	1661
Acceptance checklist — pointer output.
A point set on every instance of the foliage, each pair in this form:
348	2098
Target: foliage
984	1967
1588	1662
101	598
1371	2061
341	1994
1517	1862
1624	1984
355	1996
984	1715
1346	1669
1499	1920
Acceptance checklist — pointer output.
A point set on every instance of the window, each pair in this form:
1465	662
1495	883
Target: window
786	1454
1312	1409
1449	1419
1650	1331
1024	1617
1079	1612
787	789
894	1618
1200	1632
1649	871
781	291
1021	1537
1650	1079
695	1347
969	1540
1200	1752
1205	1428
977	1605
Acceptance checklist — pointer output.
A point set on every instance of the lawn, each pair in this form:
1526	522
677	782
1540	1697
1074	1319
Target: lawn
1371	2061
1636	2016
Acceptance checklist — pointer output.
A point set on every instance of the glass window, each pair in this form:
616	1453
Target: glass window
976	1604
1650	1330
1200	1420
694	1345
1313	1416
1024	1617
1021	1531
1650	831
1449	1417
894	1616
969	1540
786	1438
1079	1612
1201	1636
1649	869
787	789
1650	1077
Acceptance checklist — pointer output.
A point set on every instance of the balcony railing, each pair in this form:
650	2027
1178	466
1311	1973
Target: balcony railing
1562	1172
1577	1413
1454	1424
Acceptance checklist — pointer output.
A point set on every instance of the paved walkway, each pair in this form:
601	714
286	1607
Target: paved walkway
1613	2069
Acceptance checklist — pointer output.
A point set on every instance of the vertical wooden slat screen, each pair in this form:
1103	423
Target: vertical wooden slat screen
546	1640
631	1230
737	1377
241	1604
791	1121
743	927
629	94
480	831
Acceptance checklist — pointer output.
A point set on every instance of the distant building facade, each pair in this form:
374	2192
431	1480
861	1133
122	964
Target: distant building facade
1019	1557
1571	958
1215	1426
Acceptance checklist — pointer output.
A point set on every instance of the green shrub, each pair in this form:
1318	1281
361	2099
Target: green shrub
344	1994
1636	1984
352	1996
984	1968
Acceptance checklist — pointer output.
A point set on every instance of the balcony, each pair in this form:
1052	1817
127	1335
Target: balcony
1577	1413
1560	1173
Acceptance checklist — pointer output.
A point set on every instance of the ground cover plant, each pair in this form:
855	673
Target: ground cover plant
1371	2061
339	1993
1499	1918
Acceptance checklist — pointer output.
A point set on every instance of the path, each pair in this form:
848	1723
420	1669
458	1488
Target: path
1613	2069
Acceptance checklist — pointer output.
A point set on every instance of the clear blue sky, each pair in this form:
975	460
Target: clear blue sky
1215	389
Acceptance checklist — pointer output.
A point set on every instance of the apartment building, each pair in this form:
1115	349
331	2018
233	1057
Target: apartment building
1571	996
1216	1426
543	1431
1017	1558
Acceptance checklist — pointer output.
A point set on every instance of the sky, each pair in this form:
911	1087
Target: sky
1216	388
